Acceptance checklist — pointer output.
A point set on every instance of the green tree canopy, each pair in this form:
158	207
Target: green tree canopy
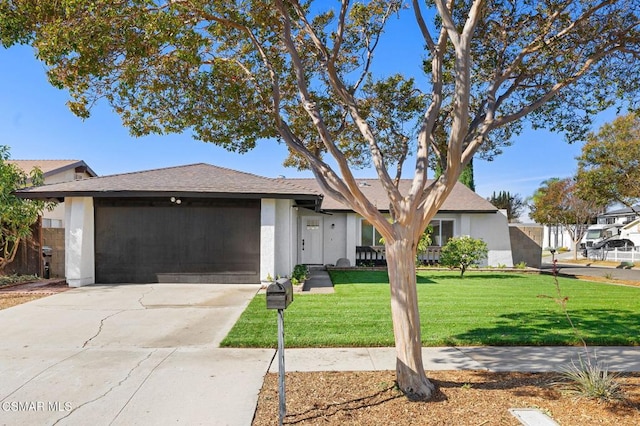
16	215
513	204
557	202
609	166
466	178
239	73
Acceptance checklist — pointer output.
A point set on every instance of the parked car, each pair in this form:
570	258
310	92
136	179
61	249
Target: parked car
612	243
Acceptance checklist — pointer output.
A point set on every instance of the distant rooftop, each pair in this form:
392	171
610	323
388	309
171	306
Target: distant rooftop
50	167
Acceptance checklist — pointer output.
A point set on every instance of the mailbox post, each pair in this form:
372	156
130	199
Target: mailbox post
279	296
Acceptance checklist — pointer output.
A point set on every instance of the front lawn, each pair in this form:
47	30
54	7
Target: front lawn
484	308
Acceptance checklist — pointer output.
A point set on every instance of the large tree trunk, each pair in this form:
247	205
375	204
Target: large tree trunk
410	373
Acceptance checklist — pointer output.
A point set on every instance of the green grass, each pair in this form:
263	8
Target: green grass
484	308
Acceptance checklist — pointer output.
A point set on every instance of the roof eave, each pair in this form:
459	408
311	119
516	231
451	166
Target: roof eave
346	210
30	193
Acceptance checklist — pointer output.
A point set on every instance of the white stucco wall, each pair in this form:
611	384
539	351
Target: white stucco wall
79	241
285	237
58	212
494	230
278	237
267	238
352	234
339	236
335	238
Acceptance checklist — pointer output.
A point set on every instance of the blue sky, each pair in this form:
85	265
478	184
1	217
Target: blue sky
36	124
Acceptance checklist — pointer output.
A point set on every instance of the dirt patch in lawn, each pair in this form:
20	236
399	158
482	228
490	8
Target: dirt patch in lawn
463	398
16	294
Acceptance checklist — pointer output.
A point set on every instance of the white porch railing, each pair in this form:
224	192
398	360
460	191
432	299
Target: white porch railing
375	256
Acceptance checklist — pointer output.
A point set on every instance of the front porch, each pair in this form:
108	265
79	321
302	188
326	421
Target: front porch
375	256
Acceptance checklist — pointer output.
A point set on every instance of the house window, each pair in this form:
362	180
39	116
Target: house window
51	223
442	231
369	236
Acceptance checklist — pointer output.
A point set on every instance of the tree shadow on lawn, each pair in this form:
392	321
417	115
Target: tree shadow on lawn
370	277
605	327
422	277
472	275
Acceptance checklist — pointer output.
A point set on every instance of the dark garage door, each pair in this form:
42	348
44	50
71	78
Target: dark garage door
146	241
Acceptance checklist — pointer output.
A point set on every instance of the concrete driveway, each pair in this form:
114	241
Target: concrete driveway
129	355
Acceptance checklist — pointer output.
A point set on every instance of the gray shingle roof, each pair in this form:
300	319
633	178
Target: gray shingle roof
203	180
461	199
206	180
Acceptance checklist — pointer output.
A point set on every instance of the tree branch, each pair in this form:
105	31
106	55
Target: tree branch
423	27
360	203
426	133
347	97
553	91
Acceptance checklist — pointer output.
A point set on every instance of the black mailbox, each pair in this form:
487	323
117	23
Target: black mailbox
279	294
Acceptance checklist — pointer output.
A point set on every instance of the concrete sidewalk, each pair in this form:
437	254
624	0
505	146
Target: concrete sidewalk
489	358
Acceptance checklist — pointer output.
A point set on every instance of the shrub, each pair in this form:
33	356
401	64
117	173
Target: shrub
13	279
591	380
462	252
300	273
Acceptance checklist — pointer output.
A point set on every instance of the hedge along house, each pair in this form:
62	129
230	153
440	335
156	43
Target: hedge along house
203	223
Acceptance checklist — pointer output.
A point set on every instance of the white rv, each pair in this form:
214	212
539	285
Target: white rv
599	232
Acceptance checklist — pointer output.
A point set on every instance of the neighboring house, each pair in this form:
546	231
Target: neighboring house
557	236
203	223
622	216
56	171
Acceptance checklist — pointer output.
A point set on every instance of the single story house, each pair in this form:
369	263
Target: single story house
204	223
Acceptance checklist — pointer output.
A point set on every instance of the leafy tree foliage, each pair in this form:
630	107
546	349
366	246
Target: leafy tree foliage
557	202
466	176
513	204
462	252
16	215
609	166
240	73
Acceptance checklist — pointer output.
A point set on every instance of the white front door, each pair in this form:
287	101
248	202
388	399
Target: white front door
311	242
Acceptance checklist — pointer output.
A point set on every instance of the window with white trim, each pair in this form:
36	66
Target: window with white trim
442	231
369	235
